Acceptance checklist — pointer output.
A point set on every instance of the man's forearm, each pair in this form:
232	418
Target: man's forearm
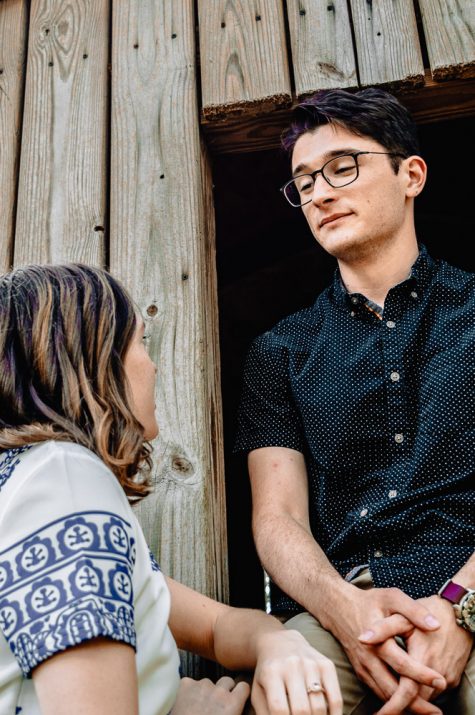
299	567
466	575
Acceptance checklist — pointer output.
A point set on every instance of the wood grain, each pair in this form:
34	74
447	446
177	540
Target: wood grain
322	46
13	28
387	43
449	28
162	247
62	185
243	57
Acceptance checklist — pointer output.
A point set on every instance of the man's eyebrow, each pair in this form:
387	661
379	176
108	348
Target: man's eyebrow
328	155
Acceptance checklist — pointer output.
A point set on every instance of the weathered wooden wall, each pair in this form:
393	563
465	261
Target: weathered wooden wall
162	247
112	170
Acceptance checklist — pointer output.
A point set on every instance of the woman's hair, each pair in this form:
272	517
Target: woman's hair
370	112
64	332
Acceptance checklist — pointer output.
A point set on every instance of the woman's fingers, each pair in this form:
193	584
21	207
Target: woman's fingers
329	681
226	683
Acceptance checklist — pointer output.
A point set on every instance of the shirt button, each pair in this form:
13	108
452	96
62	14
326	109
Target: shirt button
363	512
378	553
390	324
354	300
395	376
399	438
392	493
414	294
352	313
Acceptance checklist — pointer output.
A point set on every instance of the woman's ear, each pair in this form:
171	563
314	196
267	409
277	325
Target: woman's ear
416	175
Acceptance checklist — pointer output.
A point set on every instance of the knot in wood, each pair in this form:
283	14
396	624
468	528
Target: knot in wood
184	276
302	11
152	310
182	465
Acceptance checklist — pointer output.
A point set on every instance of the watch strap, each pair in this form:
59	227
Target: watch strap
453	592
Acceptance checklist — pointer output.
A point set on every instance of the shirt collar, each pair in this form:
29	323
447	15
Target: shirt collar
421	274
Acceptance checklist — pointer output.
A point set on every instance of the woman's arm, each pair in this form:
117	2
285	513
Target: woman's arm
96	678
286	665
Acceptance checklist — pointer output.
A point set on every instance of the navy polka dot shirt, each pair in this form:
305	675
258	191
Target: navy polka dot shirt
382	407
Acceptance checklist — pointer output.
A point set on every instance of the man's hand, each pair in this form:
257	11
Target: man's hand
375	661
446	649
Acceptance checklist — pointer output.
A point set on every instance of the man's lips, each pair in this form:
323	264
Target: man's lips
333	217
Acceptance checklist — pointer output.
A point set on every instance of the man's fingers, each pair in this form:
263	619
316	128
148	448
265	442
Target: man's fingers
405	665
380	631
406	698
399	602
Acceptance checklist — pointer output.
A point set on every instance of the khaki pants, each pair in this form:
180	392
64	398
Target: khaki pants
357	698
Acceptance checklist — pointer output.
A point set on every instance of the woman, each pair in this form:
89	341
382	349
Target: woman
85	612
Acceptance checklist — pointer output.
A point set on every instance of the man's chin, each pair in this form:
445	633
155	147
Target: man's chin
344	248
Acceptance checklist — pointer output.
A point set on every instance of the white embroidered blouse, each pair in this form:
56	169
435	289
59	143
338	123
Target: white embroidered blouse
74	565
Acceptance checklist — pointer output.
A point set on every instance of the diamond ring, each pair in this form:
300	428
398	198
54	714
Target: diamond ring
315	687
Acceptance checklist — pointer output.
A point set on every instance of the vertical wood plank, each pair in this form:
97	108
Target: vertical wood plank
243	57
449	28
322	46
387	43
13	28
162	248
62	186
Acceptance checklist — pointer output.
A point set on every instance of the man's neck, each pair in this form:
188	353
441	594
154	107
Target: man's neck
374	276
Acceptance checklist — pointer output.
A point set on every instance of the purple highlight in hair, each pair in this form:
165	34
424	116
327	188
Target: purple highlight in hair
370	112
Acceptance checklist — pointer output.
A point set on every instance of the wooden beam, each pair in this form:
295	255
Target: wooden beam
243	57
13	28
387	43
449	28
62	185
322	46
433	102
162	247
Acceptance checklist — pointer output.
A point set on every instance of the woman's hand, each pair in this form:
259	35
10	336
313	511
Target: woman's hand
202	697
287	668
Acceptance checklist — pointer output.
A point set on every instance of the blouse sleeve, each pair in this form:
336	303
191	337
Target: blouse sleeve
67	555
267	414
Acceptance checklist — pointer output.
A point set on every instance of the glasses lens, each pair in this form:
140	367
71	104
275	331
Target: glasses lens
341	171
299	191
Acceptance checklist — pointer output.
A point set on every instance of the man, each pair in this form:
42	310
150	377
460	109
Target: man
358	415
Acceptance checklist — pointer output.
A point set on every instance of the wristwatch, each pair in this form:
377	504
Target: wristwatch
463	601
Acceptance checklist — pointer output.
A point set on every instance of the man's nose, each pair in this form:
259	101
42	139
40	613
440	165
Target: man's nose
322	191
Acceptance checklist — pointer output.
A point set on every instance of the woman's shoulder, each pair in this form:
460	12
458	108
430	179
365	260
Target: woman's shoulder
58	471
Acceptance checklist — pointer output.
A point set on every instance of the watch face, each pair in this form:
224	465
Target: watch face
467	612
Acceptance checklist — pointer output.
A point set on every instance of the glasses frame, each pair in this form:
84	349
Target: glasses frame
314	174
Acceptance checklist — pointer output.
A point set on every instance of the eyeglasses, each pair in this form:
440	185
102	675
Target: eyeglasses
338	172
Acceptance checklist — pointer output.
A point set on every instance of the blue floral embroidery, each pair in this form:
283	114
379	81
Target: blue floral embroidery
68	582
154	562
9	459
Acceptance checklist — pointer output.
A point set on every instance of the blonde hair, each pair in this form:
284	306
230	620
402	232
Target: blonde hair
64	332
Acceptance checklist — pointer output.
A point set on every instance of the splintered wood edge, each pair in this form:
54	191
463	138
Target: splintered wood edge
251	107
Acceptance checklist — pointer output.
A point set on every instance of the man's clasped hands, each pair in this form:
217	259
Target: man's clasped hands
412	651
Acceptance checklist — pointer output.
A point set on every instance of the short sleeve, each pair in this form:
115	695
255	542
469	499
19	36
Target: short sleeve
267	414
66	574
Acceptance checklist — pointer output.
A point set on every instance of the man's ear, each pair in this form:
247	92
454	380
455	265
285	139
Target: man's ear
415	170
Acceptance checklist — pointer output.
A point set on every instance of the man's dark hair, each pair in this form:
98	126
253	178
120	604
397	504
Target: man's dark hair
370	113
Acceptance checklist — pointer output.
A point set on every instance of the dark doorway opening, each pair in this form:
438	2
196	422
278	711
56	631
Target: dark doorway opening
269	266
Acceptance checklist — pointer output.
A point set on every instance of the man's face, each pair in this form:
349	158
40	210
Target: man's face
356	221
